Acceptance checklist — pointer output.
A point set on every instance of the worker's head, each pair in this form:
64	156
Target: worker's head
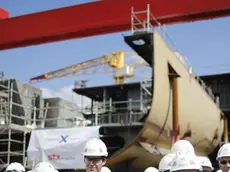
205	163
184	162
15	167
95	153
166	163
223	157
181	146
44	167
151	169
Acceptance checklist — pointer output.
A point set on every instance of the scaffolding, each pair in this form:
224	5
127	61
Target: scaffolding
22	109
12	148
126	110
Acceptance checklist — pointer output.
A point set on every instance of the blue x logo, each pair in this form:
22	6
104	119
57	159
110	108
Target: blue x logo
63	139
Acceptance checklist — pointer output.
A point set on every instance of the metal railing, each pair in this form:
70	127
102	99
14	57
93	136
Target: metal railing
118	112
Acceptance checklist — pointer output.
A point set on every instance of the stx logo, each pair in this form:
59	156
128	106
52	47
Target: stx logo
63	139
53	157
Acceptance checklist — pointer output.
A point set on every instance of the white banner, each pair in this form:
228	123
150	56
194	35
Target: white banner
61	147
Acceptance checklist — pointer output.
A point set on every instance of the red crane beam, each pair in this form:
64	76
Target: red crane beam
3	14
101	17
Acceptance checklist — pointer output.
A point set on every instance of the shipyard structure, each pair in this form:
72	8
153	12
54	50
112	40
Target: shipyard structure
23	109
138	121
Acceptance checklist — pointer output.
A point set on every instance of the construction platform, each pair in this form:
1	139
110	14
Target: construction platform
116	104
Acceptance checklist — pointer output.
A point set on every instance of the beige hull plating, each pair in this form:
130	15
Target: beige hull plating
197	112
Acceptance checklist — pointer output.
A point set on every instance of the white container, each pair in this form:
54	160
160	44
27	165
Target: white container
126	71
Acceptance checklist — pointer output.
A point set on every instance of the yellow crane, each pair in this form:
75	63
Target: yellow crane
115	60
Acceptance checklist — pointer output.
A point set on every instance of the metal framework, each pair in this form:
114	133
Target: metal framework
138	23
106	62
89	21
9	122
19	115
126	112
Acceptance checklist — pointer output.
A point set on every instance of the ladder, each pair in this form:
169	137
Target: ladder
137	21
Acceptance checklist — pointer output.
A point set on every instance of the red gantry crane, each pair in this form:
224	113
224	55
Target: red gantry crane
100	17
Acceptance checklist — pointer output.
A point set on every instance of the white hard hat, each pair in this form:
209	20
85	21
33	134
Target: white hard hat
105	169
181	146
185	161
15	166
224	151
95	147
151	169
205	162
166	162
44	167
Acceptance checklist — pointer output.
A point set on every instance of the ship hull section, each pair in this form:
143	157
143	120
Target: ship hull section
198	114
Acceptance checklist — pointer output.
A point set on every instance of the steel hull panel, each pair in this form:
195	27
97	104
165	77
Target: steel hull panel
197	111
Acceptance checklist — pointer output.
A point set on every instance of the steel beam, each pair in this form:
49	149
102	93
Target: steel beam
3	14
100	17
